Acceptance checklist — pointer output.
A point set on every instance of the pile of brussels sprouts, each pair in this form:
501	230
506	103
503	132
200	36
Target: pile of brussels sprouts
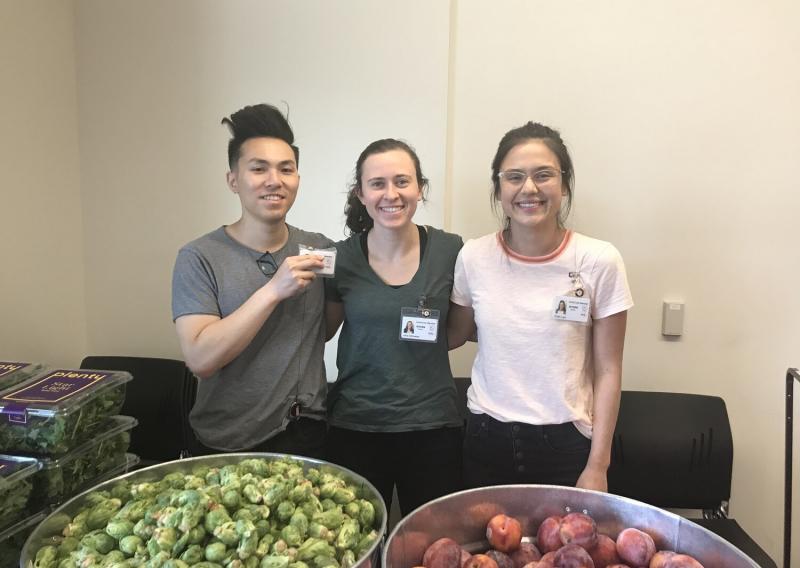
255	513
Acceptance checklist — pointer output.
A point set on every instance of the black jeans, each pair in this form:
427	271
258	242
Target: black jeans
424	464
302	437
502	453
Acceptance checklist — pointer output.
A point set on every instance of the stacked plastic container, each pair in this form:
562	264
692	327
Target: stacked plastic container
59	435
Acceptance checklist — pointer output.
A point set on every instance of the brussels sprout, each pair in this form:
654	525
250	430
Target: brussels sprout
366	514
331	518
313	547
291	535
193	555
99	541
366	542
325	562
300	520
226	532
77	527
131	545
275	490
310	506
112	559
216	516
274	562
197	534
251	493
343	495
264	545
118	529
301	492
164	539
285	510
46	557
216	552
352	509
144	529
174	563
298	564
317	530
248	536
230	498
349	535
313	475
328	504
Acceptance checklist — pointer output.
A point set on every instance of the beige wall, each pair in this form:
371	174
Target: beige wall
681	117
42	298
683	124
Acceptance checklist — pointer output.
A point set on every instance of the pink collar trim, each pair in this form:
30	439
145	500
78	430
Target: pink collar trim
534	259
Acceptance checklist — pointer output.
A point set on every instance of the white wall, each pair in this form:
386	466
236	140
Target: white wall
156	78
42	304
683	125
681	117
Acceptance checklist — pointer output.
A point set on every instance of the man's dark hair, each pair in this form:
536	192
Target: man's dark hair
257	121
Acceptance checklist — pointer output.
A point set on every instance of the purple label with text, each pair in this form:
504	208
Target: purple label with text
7	367
54	387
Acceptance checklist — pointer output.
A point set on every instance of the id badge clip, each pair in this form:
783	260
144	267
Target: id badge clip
328	259
420	323
572	307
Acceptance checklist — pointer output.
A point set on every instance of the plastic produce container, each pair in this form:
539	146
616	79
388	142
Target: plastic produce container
13	539
62	477
16	485
12	373
57	411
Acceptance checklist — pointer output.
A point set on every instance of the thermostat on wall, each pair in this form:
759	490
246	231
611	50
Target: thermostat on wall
672	319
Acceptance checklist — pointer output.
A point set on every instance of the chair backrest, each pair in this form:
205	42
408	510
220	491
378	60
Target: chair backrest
160	397
672	450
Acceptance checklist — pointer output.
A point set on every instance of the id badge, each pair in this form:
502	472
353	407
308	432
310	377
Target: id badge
419	324
571	308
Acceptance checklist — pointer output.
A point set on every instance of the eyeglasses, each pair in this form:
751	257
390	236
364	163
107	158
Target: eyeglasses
267	264
543	178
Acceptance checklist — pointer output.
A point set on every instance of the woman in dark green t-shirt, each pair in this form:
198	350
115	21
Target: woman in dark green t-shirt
392	410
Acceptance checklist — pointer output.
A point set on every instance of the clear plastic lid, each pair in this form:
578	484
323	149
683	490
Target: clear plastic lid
26	523
57	391
14	469
115	425
14	372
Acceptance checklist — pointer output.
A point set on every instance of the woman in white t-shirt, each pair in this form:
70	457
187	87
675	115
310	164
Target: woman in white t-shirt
549	308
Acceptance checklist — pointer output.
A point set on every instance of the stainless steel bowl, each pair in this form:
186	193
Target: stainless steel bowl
463	517
58	519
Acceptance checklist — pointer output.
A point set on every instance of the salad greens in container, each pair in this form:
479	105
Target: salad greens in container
55	412
16	487
61	477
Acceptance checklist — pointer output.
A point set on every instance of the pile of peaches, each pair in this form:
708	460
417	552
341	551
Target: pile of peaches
571	541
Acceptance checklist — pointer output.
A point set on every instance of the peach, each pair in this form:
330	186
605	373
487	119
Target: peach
504	533
659	559
635	547
604	553
502	559
527	552
443	553
682	561
578	528
572	556
547	537
480	561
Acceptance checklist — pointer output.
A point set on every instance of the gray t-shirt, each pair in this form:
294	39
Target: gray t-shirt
247	401
385	384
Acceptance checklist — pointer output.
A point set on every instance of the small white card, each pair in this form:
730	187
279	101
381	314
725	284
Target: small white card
328	258
571	308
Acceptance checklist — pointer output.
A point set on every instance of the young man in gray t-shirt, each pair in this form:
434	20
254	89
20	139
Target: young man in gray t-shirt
248	308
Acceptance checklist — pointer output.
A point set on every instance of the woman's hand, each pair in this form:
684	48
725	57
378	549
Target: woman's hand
593	478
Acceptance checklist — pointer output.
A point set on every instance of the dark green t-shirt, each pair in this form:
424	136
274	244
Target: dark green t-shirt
384	384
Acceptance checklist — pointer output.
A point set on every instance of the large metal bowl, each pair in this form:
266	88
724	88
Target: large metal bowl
58	519
463	517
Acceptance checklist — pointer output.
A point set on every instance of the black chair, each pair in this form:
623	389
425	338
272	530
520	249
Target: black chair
675	450
160	397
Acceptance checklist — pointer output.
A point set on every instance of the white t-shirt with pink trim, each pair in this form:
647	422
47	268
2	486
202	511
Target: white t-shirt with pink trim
530	367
